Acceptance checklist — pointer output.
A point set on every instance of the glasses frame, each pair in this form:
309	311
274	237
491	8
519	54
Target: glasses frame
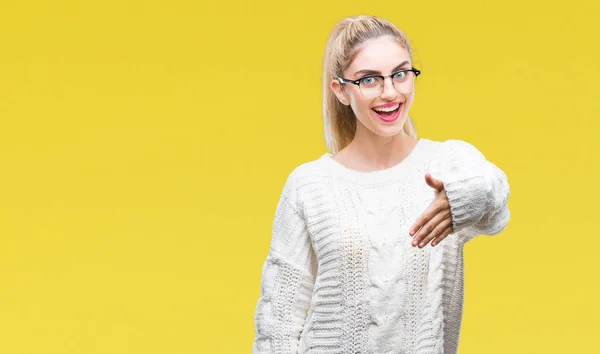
383	77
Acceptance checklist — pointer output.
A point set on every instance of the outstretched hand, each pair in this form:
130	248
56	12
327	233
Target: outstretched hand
436	221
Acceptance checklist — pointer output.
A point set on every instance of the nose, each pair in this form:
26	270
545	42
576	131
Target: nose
388	91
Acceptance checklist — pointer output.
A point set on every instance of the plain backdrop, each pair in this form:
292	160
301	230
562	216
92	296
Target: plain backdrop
144	146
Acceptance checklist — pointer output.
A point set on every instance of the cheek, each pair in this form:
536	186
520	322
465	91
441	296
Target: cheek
361	106
410	99
407	104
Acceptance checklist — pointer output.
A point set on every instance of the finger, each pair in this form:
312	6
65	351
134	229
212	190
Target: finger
439	204
437	231
444	234
425	217
425	231
434	182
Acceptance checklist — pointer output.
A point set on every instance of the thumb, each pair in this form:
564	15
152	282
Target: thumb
434	182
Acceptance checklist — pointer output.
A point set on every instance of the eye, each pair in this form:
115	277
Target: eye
367	80
399	75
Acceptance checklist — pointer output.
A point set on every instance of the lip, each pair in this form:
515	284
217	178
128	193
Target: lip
391	104
392	118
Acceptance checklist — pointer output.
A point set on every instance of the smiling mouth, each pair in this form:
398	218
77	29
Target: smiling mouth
388	115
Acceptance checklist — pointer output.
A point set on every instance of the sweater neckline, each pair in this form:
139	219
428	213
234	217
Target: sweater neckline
374	177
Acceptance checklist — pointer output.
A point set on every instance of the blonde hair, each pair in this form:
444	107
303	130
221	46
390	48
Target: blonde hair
342	45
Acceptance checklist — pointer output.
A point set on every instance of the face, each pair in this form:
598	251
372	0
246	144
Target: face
380	56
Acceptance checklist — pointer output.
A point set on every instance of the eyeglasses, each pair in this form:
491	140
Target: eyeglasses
371	86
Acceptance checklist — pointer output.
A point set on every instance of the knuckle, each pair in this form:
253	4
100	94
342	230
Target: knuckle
442	230
439	206
441	237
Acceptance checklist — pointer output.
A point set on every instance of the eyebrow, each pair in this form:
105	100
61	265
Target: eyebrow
368	71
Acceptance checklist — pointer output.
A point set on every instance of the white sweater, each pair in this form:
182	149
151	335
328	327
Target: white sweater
341	275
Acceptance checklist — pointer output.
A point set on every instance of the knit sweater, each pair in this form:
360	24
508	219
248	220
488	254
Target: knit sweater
341	274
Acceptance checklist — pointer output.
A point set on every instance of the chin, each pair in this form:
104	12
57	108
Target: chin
387	130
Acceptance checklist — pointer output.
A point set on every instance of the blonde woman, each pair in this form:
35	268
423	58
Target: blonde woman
366	253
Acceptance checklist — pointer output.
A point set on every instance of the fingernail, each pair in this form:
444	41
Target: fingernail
422	244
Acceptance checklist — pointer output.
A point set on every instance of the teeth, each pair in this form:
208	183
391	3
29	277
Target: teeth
387	109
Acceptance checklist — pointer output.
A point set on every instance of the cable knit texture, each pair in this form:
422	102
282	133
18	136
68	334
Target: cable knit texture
341	275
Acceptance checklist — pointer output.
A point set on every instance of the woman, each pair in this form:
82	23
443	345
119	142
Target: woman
344	272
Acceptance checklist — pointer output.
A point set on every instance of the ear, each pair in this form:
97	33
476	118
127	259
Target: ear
338	89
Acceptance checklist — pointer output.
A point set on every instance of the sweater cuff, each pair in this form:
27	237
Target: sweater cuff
467	196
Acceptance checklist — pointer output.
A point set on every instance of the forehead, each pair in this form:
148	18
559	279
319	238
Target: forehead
382	54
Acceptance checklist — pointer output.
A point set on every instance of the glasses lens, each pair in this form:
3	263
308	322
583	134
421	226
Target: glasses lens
404	82
371	86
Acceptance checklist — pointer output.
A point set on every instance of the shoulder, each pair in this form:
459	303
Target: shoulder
462	147
302	179
309	171
452	155
453	149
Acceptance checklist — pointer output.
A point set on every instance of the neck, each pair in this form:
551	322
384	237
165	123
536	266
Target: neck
376	152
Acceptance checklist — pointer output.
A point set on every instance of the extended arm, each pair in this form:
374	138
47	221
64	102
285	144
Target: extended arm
477	190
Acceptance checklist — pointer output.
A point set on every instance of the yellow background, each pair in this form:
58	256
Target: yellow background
144	145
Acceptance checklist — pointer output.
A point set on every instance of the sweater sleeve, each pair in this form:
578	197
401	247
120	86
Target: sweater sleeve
477	190
288	277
